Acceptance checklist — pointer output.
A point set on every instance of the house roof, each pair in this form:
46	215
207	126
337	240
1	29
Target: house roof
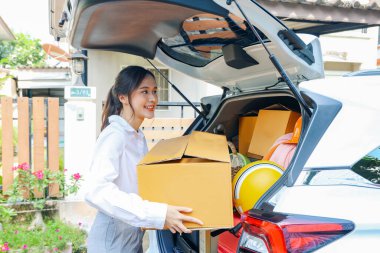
325	16
43	68
359	4
5	32
44	77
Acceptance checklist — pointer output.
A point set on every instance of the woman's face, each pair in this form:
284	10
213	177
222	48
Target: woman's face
143	100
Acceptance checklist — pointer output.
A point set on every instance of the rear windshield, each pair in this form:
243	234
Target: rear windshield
202	37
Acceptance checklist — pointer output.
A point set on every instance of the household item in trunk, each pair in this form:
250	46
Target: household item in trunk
252	181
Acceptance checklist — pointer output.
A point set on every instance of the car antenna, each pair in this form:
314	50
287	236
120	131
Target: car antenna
274	60
177	90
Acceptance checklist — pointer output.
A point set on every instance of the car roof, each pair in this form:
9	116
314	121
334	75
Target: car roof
354	126
366	72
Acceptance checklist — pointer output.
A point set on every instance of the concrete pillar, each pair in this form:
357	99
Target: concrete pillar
80	132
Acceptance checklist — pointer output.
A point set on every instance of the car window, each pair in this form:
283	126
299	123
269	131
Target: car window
202	37
366	172
369	166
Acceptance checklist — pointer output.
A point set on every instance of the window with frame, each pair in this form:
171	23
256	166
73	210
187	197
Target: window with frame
369	166
163	86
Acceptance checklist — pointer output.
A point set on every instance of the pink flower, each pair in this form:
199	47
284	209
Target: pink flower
77	176
16	232
60	237
25	246
57	230
55	249
24	166
39	174
5	247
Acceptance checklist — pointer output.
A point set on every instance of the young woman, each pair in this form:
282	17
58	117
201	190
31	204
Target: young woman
112	187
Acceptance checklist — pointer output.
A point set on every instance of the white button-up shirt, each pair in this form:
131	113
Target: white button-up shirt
112	184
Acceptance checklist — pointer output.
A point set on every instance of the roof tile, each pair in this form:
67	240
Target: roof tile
360	4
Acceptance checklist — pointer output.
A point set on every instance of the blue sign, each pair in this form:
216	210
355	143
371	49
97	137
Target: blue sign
80	92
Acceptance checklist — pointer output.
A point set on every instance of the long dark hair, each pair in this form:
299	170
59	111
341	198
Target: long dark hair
127	81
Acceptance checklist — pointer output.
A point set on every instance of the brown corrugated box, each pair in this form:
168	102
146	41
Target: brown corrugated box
270	125
192	171
246	127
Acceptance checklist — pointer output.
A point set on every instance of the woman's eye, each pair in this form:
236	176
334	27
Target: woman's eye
155	92
145	91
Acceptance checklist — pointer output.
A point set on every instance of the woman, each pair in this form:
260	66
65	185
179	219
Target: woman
112	185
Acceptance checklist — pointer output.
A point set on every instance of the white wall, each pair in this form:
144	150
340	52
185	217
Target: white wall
349	51
104	66
8	88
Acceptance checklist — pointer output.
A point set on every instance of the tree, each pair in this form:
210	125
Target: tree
24	51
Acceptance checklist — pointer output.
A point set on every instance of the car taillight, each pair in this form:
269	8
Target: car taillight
269	232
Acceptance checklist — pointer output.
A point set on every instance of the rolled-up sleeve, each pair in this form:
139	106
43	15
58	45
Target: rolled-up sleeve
103	194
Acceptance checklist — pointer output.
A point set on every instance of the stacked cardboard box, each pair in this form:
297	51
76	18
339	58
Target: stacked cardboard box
270	125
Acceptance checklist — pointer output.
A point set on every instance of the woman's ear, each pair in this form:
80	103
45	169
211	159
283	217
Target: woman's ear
123	99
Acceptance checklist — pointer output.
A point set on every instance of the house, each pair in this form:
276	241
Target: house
44	81
5	32
341	26
350	51
8	86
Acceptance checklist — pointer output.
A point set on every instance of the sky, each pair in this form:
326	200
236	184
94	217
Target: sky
31	17
27	16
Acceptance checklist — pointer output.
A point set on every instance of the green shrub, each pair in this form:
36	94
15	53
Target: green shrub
6	214
29	183
55	238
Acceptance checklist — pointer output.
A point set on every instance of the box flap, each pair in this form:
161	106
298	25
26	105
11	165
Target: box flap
208	146
280	107
173	150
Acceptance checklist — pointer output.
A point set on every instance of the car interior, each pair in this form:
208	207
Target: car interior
235	114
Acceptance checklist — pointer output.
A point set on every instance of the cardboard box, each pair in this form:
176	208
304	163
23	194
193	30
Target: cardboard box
192	171
246	127
270	125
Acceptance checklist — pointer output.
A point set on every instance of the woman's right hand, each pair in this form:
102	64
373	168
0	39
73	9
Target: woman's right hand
174	219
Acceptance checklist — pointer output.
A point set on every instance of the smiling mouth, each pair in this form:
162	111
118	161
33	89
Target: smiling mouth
150	107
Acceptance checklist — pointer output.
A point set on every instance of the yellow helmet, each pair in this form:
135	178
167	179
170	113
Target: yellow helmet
252	181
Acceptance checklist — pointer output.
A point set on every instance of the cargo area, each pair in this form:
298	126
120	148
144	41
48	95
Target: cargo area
262	131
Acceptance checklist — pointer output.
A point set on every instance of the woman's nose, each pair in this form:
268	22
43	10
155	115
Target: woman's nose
152	97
